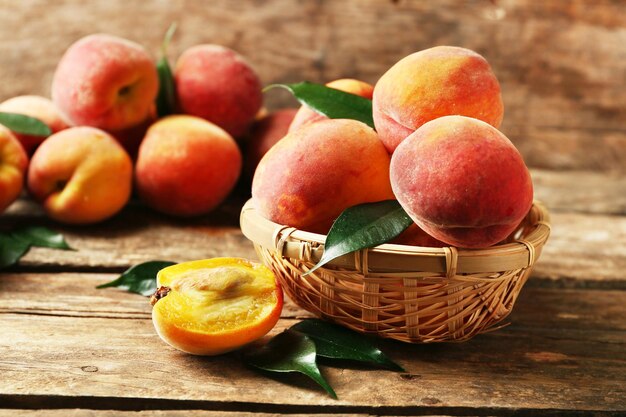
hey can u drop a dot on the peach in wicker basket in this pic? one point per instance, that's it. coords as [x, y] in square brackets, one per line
[409, 293]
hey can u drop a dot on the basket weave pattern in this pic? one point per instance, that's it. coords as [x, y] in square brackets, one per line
[398, 297]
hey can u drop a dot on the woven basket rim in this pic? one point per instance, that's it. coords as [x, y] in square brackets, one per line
[394, 258]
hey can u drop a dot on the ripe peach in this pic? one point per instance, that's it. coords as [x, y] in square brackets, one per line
[462, 181]
[131, 138]
[307, 115]
[215, 305]
[217, 84]
[265, 133]
[13, 164]
[415, 236]
[435, 82]
[106, 82]
[186, 166]
[314, 173]
[81, 175]
[38, 107]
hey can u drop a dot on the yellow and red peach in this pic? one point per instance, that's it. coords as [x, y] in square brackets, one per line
[462, 181]
[432, 83]
[13, 164]
[186, 166]
[81, 175]
[38, 107]
[106, 82]
[314, 173]
[307, 115]
[415, 236]
[217, 84]
[265, 132]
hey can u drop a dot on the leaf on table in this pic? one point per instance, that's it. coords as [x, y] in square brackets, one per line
[337, 342]
[139, 279]
[41, 237]
[166, 97]
[363, 226]
[11, 250]
[289, 351]
[27, 125]
[330, 102]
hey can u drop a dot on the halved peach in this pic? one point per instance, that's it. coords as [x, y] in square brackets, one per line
[213, 306]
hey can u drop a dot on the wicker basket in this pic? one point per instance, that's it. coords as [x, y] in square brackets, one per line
[409, 293]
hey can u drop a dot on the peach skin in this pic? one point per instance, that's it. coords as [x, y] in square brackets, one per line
[186, 166]
[462, 181]
[38, 107]
[106, 82]
[436, 82]
[265, 132]
[81, 175]
[13, 164]
[218, 85]
[314, 173]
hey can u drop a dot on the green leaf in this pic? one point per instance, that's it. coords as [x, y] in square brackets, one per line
[337, 342]
[289, 351]
[363, 226]
[42, 237]
[166, 98]
[27, 125]
[11, 250]
[332, 103]
[140, 279]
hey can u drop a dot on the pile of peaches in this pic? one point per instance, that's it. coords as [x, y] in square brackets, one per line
[107, 138]
[436, 150]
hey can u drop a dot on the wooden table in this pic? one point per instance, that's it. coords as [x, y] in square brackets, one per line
[68, 349]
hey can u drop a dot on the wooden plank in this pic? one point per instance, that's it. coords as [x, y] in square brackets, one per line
[587, 250]
[565, 350]
[580, 191]
[579, 69]
[75, 295]
[150, 413]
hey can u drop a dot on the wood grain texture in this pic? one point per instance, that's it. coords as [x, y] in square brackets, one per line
[563, 356]
[150, 413]
[587, 246]
[76, 295]
[561, 64]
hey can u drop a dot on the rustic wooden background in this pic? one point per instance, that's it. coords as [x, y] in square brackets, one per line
[561, 63]
[66, 348]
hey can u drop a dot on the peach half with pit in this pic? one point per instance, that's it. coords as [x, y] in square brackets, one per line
[213, 306]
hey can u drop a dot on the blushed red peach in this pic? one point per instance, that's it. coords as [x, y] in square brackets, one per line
[186, 166]
[307, 115]
[217, 84]
[81, 175]
[265, 132]
[314, 173]
[462, 181]
[415, 236]
[436, 82]
[13, 164]
[106, 82]
[38, 107]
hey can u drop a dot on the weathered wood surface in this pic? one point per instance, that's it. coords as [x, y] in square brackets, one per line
[151, 413]
[562, 64]
[587, 246]
[565, 350]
